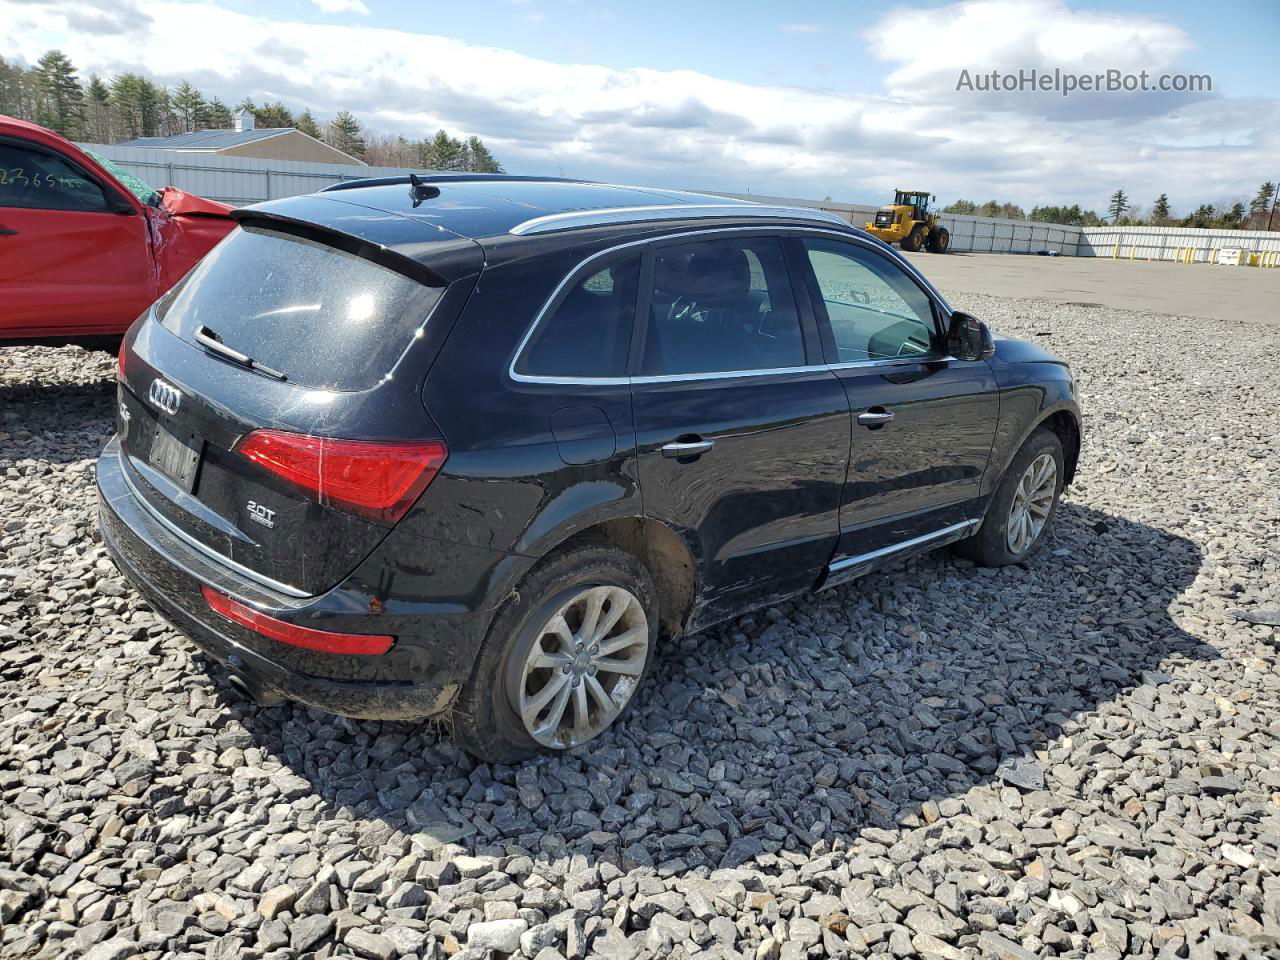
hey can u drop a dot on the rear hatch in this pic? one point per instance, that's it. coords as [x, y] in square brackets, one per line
[270, 404]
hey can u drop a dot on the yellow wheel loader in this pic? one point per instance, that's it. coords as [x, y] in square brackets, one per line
[908, 222]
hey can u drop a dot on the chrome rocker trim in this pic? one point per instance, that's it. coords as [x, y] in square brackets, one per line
[850, 568]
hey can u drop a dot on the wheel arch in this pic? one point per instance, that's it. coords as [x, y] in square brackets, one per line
[1066, 425]
[661, 549]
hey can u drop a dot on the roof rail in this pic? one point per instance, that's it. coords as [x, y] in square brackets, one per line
[438, 177]
[682, 211]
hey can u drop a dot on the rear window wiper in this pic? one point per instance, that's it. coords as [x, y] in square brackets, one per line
[211, 341]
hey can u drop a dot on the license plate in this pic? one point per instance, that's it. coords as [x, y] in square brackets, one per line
[176, 457]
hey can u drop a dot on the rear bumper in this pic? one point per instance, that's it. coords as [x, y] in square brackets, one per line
[169, 573]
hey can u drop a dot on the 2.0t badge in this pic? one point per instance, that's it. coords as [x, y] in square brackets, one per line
[261, 514]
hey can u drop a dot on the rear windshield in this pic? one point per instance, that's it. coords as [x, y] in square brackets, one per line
[325, 318]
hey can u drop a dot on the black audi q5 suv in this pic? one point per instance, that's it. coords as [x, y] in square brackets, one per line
[468, 446]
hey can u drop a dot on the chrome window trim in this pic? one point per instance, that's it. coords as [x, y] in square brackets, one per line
[607, 216]
[208, 551]
[769, 229]
[726, 374]
[889, 362]
[847, 235]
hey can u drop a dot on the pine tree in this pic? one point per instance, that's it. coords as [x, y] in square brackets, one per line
[1203, 217]
[1118, 205]
[189, 105]
[344, 134]
[62, 100]
[479, 159]
[273, 115]
[141, 105]
[217, 115]
[306, 123]
[442, 152]
[1160, 210]
[11, 83]
[1262, 202]
[99, 119]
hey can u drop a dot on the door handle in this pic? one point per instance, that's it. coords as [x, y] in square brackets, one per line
[687, 448]
[6, 232]
[875, 417]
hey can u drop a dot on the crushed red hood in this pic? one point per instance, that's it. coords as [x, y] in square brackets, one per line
[184, 230]
[179, 203]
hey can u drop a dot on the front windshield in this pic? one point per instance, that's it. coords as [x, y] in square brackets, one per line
[135, 185]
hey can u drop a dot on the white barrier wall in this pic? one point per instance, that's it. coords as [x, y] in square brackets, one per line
[1161, 243]
[241, 180]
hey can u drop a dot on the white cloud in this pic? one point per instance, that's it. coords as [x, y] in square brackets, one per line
[685, 128]
[341, 6]
[933, 45]
[803, 28]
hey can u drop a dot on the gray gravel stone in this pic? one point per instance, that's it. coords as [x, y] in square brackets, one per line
[1078, 757]
[501, 935]
[370, 945]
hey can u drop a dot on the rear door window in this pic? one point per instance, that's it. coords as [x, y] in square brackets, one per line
[721, 306]
[588, 333]
[325, 318]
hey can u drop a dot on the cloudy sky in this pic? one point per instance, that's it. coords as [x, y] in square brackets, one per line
[800, 99]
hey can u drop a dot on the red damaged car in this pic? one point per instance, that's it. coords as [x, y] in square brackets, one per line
[85, 246]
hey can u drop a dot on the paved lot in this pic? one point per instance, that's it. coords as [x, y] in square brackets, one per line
[1249, 294]
[1076, 759]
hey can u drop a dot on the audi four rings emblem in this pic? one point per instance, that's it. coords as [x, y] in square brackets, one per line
[165, 396]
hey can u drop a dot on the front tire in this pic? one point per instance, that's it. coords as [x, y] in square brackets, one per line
[563, 658]
[1020, 516]
[913, 240]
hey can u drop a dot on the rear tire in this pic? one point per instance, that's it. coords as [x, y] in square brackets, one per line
[1028, 491]
[939, 240]
[528, 654]
[913, 240]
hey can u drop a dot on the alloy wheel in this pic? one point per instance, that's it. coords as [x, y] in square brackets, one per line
[583, 666]
[1032, 504]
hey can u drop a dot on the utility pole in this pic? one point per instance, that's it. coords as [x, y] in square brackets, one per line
[1274, 197]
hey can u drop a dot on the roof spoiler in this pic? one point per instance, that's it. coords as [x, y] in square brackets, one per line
[437, 176]
[373, 252]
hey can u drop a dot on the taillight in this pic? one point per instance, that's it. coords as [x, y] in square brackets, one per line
[120, 363]
[324, 641]
[379, 481]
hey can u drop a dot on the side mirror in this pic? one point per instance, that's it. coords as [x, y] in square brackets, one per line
[968, 338]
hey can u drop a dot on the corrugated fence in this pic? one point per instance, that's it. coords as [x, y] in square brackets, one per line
[235, 180]
[1167, 243]
[241, 180]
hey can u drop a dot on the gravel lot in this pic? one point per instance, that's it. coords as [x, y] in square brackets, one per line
[1076, 759]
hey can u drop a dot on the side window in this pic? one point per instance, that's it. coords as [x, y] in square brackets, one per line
[721, 305]
[36, 180]
[588, 334]
[877, 312]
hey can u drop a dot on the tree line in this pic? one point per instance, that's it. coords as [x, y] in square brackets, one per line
[1253, 215]
[128, 105]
